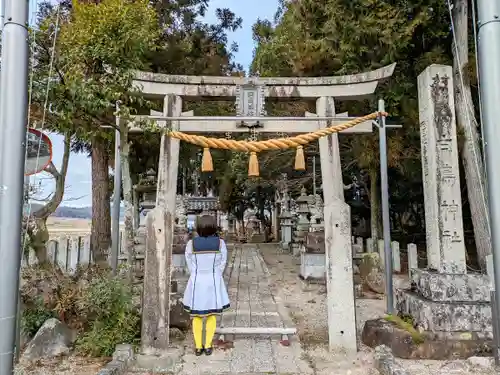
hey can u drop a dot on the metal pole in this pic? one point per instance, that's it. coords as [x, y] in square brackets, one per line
[115, 215]
[489, 75]
[2, 14]
[17, 345]
[13, 117]
[384, 187]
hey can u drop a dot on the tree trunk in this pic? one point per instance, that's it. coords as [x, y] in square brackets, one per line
[127, 199]
[374, 206]
[39, 236]
[100, 239]
[471, 152]
[37, 229]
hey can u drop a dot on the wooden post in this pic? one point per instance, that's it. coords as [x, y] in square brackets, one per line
[159, 240]
[338, 243]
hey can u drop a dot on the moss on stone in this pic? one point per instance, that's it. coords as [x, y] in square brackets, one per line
[416, 336]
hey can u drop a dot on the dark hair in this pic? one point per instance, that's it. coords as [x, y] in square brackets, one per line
[206, 226]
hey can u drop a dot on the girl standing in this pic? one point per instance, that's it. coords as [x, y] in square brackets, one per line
[206, 294]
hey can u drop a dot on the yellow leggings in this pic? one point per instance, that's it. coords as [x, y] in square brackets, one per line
[211, 323]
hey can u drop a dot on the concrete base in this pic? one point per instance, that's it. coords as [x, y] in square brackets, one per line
[312, 266]
[445, 317]
[168, 362]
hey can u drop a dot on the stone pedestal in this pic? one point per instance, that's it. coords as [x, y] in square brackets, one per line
[450, 306]
[312, 259]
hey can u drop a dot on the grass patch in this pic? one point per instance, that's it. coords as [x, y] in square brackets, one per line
[406, 323]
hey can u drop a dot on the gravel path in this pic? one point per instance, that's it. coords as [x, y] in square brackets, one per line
[306, 303]
[71, 365]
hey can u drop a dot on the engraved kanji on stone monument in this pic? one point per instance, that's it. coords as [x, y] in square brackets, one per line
[443, 202]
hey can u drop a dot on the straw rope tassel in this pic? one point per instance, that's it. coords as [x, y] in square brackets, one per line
[300, 161]
[253, 165]
[207, 164]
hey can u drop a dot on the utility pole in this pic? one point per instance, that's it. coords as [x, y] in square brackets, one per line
[13, 117]
[489, 79]
[386, 223]
[2, 13]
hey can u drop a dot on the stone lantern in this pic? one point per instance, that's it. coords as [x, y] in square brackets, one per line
[145, 194]
[231, 230]
[286, 223]
[303, 223]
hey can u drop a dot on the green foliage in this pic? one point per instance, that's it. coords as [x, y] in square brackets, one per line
[99, 306]
[97, 48]
[33, 317]
[112, 317]
[110, 37]
[338, 37]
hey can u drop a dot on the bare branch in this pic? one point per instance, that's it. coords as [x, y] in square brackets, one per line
[60, 178]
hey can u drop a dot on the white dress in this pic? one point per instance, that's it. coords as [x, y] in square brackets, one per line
[206, 293]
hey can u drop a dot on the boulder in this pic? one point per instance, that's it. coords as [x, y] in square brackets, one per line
[408, 345]
[52, 340]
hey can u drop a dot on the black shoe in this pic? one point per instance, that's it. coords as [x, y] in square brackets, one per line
[198, 352]
[208, 351]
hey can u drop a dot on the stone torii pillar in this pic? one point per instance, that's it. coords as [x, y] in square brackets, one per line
[159, 240]
[338, 244]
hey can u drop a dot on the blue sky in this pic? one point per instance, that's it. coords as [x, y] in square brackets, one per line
[78, 182]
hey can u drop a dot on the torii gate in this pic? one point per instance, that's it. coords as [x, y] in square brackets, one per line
[250, 94]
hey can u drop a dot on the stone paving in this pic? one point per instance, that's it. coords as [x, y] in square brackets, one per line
[253, 305]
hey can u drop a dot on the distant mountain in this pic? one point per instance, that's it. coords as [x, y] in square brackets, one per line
[71, 212]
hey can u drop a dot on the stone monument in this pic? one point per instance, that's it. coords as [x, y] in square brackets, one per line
[445, 300]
